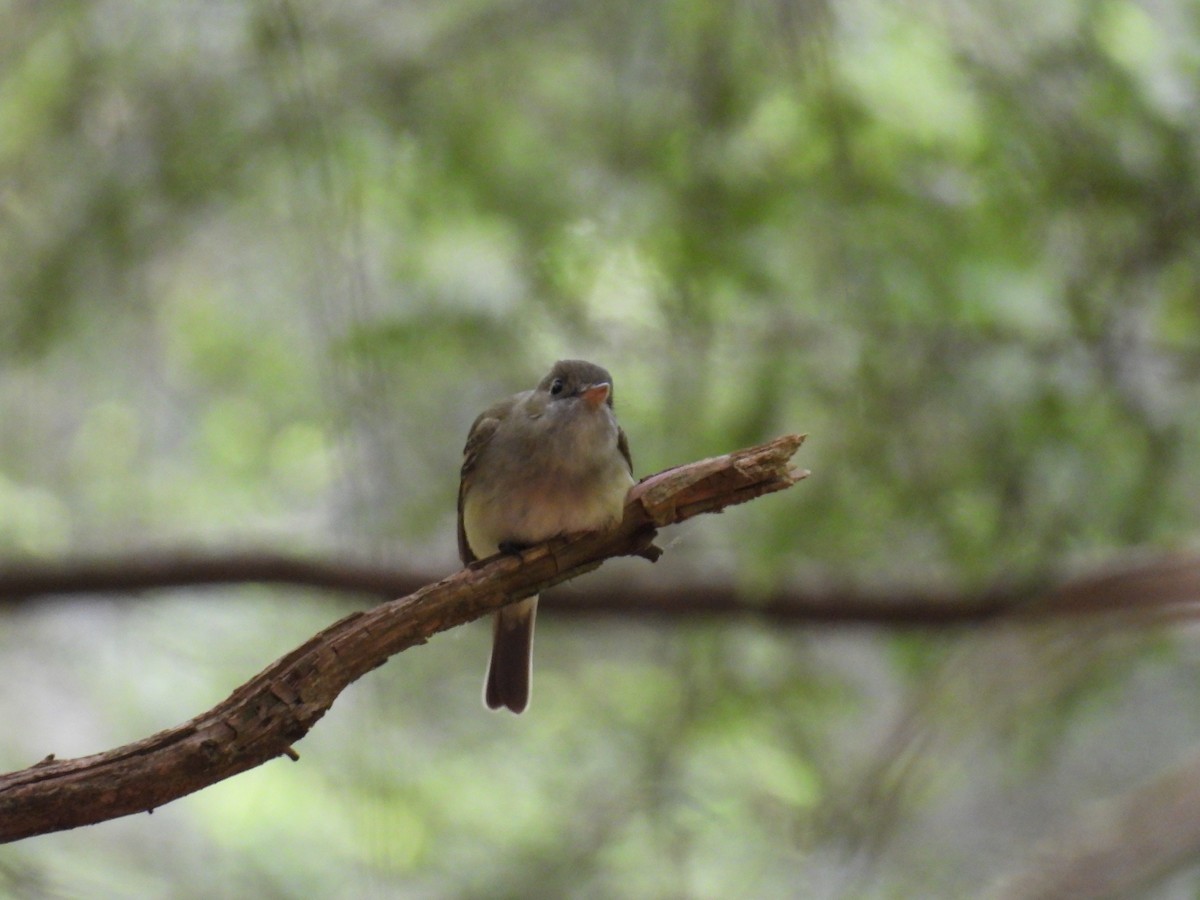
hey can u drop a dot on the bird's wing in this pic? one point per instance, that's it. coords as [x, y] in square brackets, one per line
[477, 439]
[623, 446]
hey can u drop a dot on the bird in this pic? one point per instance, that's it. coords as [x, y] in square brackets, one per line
[542, 463]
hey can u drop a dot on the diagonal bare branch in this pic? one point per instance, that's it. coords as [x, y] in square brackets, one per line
[265, 716]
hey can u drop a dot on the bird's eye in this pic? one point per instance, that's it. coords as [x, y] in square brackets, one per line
[557, 386]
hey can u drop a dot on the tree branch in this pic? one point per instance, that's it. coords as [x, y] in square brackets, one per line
[265, 716]
[1167, 585]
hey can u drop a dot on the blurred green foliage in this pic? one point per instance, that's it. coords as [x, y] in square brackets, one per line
[261, 263]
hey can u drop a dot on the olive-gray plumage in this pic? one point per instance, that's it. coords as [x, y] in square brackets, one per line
[539, 464]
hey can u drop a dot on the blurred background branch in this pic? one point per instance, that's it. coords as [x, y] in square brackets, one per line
[1146, 590]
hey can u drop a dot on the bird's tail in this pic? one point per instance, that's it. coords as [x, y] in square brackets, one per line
[510, 667]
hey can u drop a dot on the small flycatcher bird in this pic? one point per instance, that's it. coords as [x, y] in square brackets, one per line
[539, 464]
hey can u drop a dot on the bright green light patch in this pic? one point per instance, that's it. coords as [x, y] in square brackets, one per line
[34, 521]
[276, 805]
[909, 78]
[234, 433]
[1127, 34]
[759, 761]
[782, 774]
[33, 91]
[300, 457]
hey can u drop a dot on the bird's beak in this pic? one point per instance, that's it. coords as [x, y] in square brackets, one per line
[595, 395]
